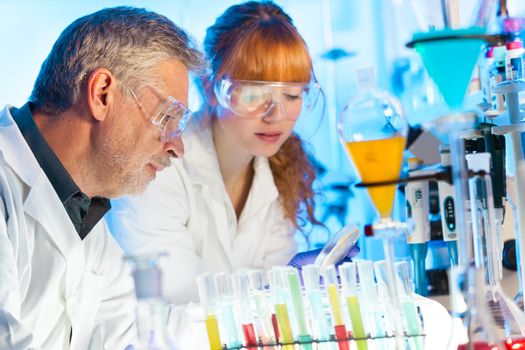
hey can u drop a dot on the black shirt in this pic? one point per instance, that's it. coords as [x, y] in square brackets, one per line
[84, 212]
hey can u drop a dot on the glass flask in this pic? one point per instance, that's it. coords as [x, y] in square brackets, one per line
[490, 318]
[373, 130]
[152, 311]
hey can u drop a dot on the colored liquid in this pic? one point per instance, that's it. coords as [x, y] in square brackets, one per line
[450, 64]
[213, 333]
[264, 316]
[283, 320]
[249, 334]
[354, 311]
[341, 336]
[275, 328]
[376, 161]
[510, 344]
[413, 325]
[319, 317]
[333, 296]
[230, 325]
[297, 302]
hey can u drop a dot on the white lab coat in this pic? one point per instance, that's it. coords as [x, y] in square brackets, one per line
[187, 213]
[50, 280]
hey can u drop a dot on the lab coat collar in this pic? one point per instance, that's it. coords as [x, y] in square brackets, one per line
[15, 150]
[201, 162]
[42, 202]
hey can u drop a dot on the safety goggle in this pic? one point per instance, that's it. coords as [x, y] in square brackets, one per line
[171, 118]
[259, 99]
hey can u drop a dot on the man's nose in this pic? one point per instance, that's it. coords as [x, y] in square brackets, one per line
[175, 146]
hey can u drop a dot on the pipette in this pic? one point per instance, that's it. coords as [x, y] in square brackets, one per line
[208, 297]
[348, 273]
[418, 209]
[447, 208]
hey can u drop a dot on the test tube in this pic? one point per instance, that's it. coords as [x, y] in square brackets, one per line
[368, 294]
[330, 279]
[313, 292]
[261, 303]
[348, 273]
[412, 320]
[298, 306]
[275, 325]
[285, 335]
[392, 326]
[229, 324]
[208, 299]
[241, 286]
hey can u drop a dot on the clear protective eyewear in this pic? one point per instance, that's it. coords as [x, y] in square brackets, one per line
[257, 99]
[171, 118]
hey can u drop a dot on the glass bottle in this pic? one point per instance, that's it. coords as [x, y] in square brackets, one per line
[152, 311]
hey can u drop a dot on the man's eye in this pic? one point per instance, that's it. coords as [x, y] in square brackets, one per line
[162, 122]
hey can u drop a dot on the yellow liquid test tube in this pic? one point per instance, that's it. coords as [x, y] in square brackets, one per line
[337, 316]
[213, 333]
[333, 296]
[285, 330]
[354, 310]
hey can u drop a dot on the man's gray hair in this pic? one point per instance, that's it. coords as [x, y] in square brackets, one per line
[127, 41]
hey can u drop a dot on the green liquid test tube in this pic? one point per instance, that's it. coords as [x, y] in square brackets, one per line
[348, 275]
[298, 305]
[413, 324]
[354, 310]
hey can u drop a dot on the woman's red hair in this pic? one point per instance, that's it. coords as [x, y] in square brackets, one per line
[258, 41]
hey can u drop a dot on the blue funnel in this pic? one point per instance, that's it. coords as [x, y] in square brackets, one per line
[449, 56]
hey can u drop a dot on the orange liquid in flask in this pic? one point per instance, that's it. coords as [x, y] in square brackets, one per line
[376, 161]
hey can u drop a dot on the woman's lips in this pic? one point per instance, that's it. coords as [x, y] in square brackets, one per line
[268, 137]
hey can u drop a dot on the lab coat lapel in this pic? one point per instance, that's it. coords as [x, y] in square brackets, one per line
[203, 168]
[263, 190]
[42, 202]
[217, 205]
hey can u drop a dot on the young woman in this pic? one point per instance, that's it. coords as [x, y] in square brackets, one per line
[245, 183]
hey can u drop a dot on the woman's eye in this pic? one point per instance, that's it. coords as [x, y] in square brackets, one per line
[291, 97]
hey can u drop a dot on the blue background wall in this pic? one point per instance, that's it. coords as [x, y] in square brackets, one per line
[374, 31]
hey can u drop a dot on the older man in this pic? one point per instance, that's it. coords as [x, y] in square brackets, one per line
[105, 115]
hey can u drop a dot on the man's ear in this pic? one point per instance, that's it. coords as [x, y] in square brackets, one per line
[209, 94]
[101, 85]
